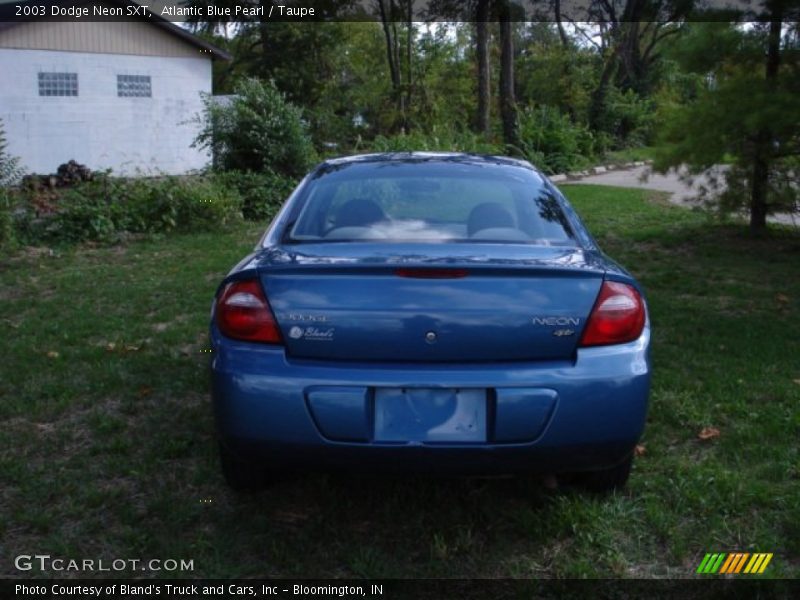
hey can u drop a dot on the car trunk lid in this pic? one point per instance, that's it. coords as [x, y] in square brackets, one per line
[438, 303]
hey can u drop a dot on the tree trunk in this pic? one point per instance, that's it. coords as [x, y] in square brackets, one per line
[630, 76]
[627, 39]
[561, 33]
[409, 48]
[762, 156]
[597, 107]
[390, 34]
[508, 104]
[567, 71]
[758, 191]
[398, 86]
[263, 33]
[482, 51]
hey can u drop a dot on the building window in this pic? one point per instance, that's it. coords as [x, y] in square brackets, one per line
[133, 86]
[58, 84]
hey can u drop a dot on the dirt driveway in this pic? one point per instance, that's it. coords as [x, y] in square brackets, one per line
[682, 192]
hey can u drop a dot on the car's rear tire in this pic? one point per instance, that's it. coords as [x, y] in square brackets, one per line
[242, 475]
[607, 480]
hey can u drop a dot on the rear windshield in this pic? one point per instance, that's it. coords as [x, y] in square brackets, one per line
[397, 201]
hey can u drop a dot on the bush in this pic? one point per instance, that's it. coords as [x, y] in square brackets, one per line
[7, 235]
[552, 142]
[258, 130]
[262, 193]
[206, 205]
[628, 118]
[81, 216]
[106, 209]
[10, 171]
[172, 203]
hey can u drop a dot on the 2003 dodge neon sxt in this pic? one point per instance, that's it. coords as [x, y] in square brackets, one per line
[429, 312]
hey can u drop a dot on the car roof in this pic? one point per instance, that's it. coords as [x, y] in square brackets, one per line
[454, 157]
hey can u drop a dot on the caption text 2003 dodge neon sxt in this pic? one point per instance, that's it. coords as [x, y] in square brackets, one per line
[429, 312]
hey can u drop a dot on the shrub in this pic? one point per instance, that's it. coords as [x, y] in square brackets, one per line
[7, 235]
[257, 130]
[10, 171]
[106, 209]
[172, 203]
[262, 193]
[206, 205]
[81, 217]
[628, 118]
[551, 141]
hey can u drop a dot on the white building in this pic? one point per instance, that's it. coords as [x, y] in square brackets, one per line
[113, 94]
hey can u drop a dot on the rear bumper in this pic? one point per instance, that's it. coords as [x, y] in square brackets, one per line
[540, 417]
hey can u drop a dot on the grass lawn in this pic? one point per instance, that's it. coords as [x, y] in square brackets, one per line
[106, 436]
[630, 155]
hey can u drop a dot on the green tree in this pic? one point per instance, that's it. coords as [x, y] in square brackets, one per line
[482, 12]
[631, 34]
[444, 96]
[300, 57]
[356, 101]
[747, 111]
[555, 73]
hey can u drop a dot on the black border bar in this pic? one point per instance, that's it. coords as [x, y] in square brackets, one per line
[488, 589]
[396, 10]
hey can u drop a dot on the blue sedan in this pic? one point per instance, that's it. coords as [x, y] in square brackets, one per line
[429, 312]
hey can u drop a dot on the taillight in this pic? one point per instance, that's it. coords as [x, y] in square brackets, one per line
[617, 316]
[431, 273]
[243, 313]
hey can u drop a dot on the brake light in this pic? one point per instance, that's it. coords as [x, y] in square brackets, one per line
[431, 273]
[243, 313]
[617, 316]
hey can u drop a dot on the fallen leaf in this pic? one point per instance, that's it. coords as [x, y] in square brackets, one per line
[131, 348]
[782, 298]
[797, 381]
[52, 354]
[145, 391]
[708, 433]
[639, 450]
[111, 346]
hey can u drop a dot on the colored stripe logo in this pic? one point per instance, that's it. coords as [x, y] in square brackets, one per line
[734, 563]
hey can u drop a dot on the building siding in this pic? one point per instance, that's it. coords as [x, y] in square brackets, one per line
[98, 128]
[113, 37]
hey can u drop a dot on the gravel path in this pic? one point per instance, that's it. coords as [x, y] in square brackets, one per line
[682, 193]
